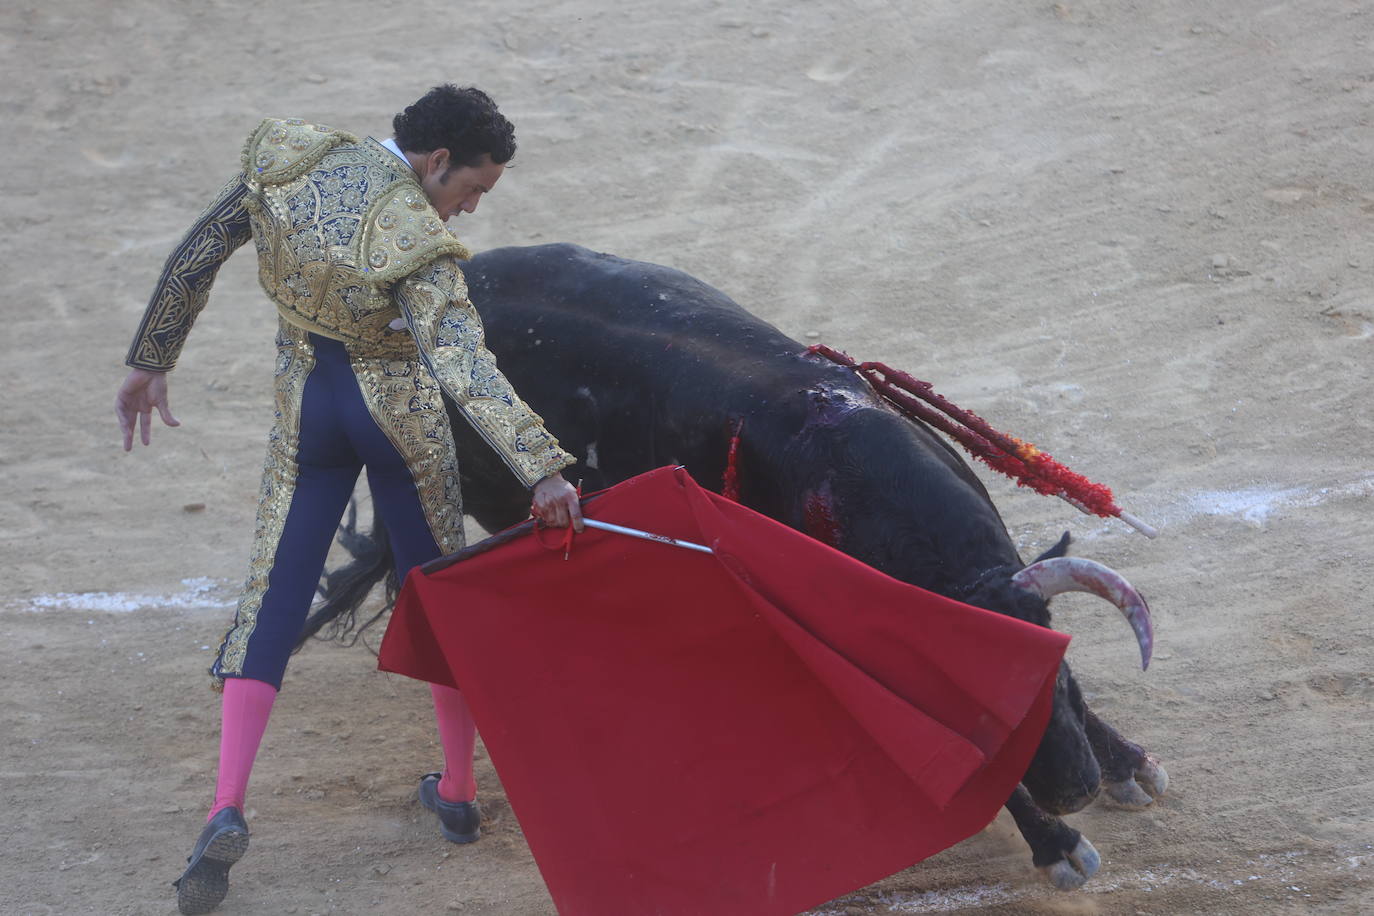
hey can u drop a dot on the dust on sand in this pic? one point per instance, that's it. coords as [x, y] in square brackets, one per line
[1135, 234]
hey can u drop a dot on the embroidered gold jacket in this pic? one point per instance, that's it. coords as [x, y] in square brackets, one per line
[347, 244]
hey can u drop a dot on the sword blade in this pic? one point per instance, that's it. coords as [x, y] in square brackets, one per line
[645, 535]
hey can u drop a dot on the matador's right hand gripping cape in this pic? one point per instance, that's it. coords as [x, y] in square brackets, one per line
[349, 247]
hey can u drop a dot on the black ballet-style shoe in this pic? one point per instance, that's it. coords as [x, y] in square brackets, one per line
[460, 822]
[206, 879]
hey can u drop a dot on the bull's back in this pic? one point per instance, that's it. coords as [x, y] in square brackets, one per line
[635, 365]
[587, 305]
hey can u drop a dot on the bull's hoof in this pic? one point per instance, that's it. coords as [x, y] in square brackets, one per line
[1152, 776]
[1068, 874]
[1148, 783]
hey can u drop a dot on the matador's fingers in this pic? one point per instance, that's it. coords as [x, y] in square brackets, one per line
[126, 425]
[575, 513]
[164, 411]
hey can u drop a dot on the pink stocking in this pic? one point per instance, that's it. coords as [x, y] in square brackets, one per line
[458, 737]
[243, 719]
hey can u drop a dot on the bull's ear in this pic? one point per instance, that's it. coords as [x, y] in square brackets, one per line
[1058, 550]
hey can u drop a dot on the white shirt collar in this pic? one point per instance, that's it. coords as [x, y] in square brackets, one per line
[390, 143]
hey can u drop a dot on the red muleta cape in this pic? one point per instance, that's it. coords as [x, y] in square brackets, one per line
[747, 733]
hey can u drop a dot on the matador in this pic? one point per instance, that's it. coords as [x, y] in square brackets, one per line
[374, 329]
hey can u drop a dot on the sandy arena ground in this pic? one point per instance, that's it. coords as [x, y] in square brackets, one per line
[1133, 233]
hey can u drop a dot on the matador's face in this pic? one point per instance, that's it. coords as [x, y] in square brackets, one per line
[458, 188]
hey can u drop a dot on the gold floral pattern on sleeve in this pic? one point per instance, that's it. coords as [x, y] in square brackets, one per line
[452, 344]
[184, 286]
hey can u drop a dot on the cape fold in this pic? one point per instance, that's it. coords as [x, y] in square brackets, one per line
[752, 732]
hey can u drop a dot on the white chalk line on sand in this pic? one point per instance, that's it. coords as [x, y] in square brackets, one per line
[1282, 869]
[1250, 504]
[200, 592]
[1254, 505]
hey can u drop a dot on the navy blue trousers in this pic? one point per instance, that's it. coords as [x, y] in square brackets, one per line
[338, 438]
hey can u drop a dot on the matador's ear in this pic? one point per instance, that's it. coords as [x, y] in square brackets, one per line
[437, 162]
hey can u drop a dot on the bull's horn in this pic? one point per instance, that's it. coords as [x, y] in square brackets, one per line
[1048, 578]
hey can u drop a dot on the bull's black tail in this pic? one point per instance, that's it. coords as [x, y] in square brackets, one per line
[345, 589]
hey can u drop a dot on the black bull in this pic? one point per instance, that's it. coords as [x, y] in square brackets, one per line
[634, 366]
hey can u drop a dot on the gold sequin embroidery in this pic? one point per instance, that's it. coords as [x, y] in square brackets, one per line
[453, 346]
[336, 221]
[184, 287]
[407, 404]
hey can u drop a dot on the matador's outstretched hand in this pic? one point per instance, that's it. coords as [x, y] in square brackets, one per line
[142, 390]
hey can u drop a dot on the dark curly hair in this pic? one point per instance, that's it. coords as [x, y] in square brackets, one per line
[463, 121]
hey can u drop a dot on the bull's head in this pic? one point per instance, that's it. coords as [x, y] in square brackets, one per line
[892, 494]
[1064, 775]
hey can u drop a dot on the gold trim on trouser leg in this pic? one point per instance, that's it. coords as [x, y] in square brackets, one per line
[407, 404]
[295, 359]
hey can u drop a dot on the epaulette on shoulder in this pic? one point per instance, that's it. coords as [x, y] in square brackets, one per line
[402, 232]
[280, 150]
